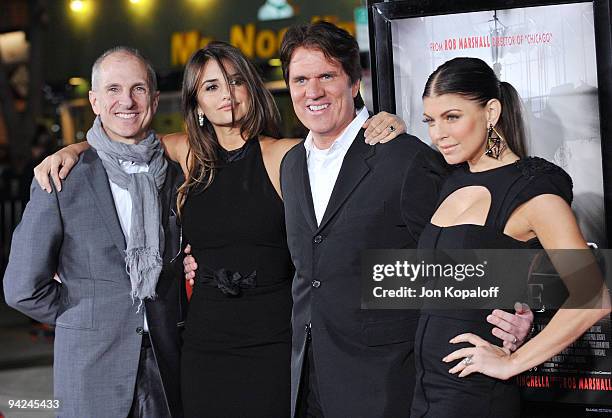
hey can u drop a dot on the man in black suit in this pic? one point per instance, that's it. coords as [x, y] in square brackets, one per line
[343, 196]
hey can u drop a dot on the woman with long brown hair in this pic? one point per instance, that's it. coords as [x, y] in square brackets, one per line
[237, 342]
[237, 334]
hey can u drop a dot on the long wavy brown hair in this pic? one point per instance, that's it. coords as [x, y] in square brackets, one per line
[262, 116]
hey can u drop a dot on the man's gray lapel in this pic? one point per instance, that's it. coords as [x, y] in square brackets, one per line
[101, 193]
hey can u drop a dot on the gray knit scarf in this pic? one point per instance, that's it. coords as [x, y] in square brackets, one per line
[146, 241]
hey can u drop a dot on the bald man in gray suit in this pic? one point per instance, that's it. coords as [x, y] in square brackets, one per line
[117, 310]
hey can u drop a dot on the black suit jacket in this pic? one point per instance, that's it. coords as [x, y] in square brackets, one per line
[383, 197]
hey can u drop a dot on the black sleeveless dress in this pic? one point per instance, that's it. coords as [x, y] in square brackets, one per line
[439, 394]
[237, 340]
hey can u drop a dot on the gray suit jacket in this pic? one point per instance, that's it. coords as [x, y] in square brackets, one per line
[77, 234]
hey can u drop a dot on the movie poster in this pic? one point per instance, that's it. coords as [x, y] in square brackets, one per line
[548, 54]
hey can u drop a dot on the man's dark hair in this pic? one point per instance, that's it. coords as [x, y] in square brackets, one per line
[335, 43]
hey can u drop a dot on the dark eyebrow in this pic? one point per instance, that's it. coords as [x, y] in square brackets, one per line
[444, 113]
[451, 110]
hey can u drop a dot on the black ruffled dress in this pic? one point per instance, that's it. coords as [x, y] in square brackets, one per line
[237, 339]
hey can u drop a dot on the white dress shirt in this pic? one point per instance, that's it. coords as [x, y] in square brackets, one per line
[324, 164]
[123, 205]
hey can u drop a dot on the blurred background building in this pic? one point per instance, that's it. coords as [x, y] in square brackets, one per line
[47, 48]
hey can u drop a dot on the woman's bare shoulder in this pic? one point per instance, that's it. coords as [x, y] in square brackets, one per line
[278, 147]
[175, 138]
[176, 145]
[273, 151]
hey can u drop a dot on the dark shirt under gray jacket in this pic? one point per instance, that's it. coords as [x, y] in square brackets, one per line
[77, 234]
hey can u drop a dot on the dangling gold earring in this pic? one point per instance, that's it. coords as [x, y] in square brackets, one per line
[496, 144]
[200, 119]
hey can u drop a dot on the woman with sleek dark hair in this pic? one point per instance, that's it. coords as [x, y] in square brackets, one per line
[497, 198]
[237, 338]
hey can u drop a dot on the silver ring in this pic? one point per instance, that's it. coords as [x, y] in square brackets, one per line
[391, 128]
[515, 340]
[468, 360]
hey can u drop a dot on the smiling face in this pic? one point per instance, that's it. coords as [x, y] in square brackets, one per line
[215, 95]
[322, 94]
[123, 99]
[458, 125]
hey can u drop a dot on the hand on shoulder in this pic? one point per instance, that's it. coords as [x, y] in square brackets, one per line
[58, 165]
